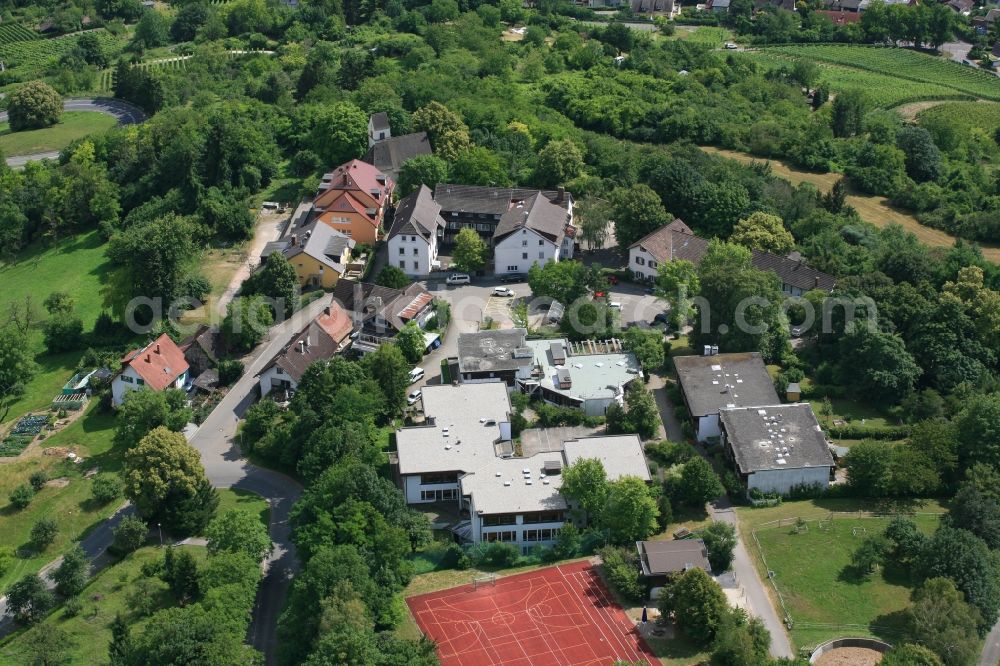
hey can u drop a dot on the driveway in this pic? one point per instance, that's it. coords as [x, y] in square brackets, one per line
[124, 112]
[268, 228]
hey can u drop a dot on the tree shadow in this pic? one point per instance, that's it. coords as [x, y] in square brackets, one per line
[889, 627]
[854, 575]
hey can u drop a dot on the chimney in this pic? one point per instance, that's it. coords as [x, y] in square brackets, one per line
[816, 281]
[149, 359]
[561, 195]
[302, 346]
[295, 240]
[326, 311]
[157, 347]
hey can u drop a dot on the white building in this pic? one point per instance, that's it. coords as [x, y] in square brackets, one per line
[465, 455]
[713, 382]
[533, 231]
[777, 448]
[158, 366]
[669, 242]
[416, 231]
[378, 128]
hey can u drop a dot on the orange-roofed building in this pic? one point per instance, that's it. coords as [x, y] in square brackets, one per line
[157, 366]
[353, 199]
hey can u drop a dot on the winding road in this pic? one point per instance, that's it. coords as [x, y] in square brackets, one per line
[124, 112]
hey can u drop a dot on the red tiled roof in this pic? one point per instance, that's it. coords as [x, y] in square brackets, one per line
[337, 324]
[414, 307]
[355, 176]
[159, 363]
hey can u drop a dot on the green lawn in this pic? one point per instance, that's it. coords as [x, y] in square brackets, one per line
[89, 633]
[76, 266]
[243, 500]
[68, 503]
[72, 126]
[825, 590]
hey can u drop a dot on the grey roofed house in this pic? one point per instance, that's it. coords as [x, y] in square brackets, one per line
[778, 437]
[377, 308]
[660, 558]
[493, 351]
[621, 455]
[417, 215]
[712, 383]
[380, 121]
[478, 199]
[792, 271]
[314, 238]
[536, 213]
[389, 155]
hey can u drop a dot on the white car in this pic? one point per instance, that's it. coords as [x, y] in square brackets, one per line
[458, 278]
[730, 46]
[503, 291]
[416, 375]
[413, 397]
[615, 305]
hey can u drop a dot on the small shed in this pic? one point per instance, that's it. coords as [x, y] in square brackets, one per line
[794, 392]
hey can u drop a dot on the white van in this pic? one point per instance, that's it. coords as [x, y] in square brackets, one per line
[458, 278]
[416, 375]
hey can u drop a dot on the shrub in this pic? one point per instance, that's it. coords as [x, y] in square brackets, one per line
[130, 535]
[621, 569]
[38, 479]
[669, 453]
[34, 105]
[21, 496]
[106, 488]
[43, 533]
[494, 554]
[72, 607]
[229, 371]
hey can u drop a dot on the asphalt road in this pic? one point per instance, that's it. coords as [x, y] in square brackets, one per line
[991, 649]
[124, 112]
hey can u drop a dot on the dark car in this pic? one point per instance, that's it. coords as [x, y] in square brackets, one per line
[513, 277]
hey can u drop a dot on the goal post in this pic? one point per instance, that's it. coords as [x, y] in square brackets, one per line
[484, 580]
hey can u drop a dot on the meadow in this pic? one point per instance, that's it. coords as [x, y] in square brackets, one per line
[825, 596]
[72, 125]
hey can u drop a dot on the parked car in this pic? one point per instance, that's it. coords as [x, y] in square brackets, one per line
[416, 375]
[458, 278]
[503, 291]
[513, 277]
[612, 279]
[615, 305]
[660, 319]
[730, 46]
[413, 397]
[797, 331]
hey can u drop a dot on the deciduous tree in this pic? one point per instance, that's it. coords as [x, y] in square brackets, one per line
[29, 600]
[239, 532]
[638, 211]
[763, 231]
[33, 105]
[469, 254]
[720, 542]
[697, 604]
[448, 134]
[942, 621]
[72, 574]
[426, 170]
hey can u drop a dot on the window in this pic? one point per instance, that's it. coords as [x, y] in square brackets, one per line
[499, 519]
[652, 264]
[524, 255]
[413, 238]
[278, 370]
[543, 517]
[402, 250]
[540, 535]
[541, 255]
[416, 265]
[439, 495]
[511, 269]
[524, 243]
[640, 261]
[402, 263]
[454, 214]
[127, 379]
[541, 242]
[416, 252]
[438, 477]
[140, 382]
[505, 537]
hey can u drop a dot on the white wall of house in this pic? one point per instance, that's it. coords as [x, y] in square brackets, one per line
[129, 380]
[412, 254]
[523, 535]
[783, 480]
[418, 492]
[376, 137]
[521, 250]
[642, 263]
[708, 426]
[566, 251]
[275, 377]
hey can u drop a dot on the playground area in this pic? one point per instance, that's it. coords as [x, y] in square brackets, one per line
[557, 616]
[809, 564]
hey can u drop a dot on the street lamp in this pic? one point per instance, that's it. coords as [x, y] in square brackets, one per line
[158, 529]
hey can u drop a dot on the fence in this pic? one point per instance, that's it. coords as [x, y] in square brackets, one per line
[819, 520]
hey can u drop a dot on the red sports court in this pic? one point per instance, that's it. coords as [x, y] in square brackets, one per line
[558, 616]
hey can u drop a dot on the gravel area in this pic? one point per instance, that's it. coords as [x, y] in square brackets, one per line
[850, 657]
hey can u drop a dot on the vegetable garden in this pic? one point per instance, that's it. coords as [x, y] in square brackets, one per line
[902, 64]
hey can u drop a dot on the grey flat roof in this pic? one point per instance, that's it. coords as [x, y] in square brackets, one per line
[775, 437]
[492, 351]
[594, 376]
[459, 440]
[664, 557]
[621, 455]
[501, 486]
[711, 383]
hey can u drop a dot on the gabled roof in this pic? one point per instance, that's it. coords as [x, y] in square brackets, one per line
[159, 363]
[207, 339]
[320, 339]
[395, 307]
[659, 558]
[359, 178]
[390, 154]
[536, 213]
[478, 199]
[379, 121]
[314, 239]
[417, 215]
[793, 271]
